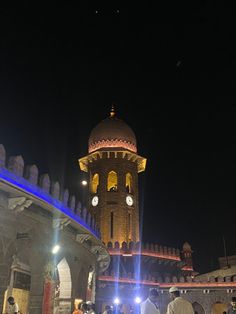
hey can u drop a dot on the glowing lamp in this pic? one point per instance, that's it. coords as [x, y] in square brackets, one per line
[137, 300]
[84, 182]
[55, 249]
[116, 301]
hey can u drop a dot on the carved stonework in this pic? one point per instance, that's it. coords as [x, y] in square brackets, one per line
[65, 197]
[16, 165]
[78, 209]
[55, 190]
[60, 223]
[45, 182]
[82, 237]
[2, 156]
[112, 143]
[32, 174]
[49, 271]
[72, 202]
[18, 204]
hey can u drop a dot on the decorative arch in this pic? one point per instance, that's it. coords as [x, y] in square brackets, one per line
[198, 308]
[64, 279]
[95, 183]
[112, 181]
[63, 288]
[128, 183]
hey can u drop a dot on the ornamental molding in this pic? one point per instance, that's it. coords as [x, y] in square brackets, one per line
[60, 223]
[82, 237]
[112, 144]
[18, 204]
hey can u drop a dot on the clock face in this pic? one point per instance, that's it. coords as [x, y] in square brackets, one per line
[95, 200]
[129, 200]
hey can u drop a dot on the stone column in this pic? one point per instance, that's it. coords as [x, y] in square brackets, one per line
[3, 287]
[39, 256]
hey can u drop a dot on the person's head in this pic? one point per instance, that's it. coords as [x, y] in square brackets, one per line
[11, 300]
[153, 295]
[233, 302]
[84, 307]
[174, 292]
[89, 305]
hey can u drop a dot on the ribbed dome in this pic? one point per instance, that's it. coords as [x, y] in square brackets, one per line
[112, 133]
[187, 247]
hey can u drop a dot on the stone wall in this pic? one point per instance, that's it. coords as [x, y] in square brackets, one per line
[202, 299]
[32, 211]
[30, 174]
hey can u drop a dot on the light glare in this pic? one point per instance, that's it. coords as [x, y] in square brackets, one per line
[137, 300]
[55, 249]
[116, 301]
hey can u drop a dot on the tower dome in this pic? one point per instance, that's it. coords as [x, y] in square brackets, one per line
[112, 133]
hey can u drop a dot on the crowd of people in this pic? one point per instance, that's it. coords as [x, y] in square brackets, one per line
[177, 305]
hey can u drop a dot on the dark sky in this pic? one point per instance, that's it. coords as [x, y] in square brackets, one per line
[168, 68]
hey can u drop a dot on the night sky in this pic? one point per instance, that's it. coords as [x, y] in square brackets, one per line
[168, 69]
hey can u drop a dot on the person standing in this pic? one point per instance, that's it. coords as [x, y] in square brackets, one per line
[13, 307]
[178, 305]
[107, 308]
[150, 305]
[232, 309]
[91, 307]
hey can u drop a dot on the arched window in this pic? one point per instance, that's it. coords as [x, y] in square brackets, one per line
[65, 279]
[198, 309]
[95, 183]
[128, 183]
[112, 181]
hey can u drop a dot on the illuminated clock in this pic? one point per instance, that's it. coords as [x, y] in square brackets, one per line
[95, 200]
[129, 200]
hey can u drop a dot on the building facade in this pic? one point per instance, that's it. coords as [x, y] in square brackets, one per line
[113, 165]
[50, 248]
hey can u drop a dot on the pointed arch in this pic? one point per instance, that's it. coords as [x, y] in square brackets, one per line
[129, 183]
[198, 308]
[112, 181]
[64, 279]
[95, 183]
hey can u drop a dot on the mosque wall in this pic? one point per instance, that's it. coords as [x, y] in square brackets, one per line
[35, 215]
[208, 301]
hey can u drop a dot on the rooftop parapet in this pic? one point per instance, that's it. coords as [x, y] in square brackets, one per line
[189, 282]
[135, 248]
[26, 178]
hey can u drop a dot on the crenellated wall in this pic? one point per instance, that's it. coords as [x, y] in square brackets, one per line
[143, 248]
[185, 281]
[35, 215]
[42, 184]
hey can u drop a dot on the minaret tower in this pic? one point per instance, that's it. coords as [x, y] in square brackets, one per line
[113, 166]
